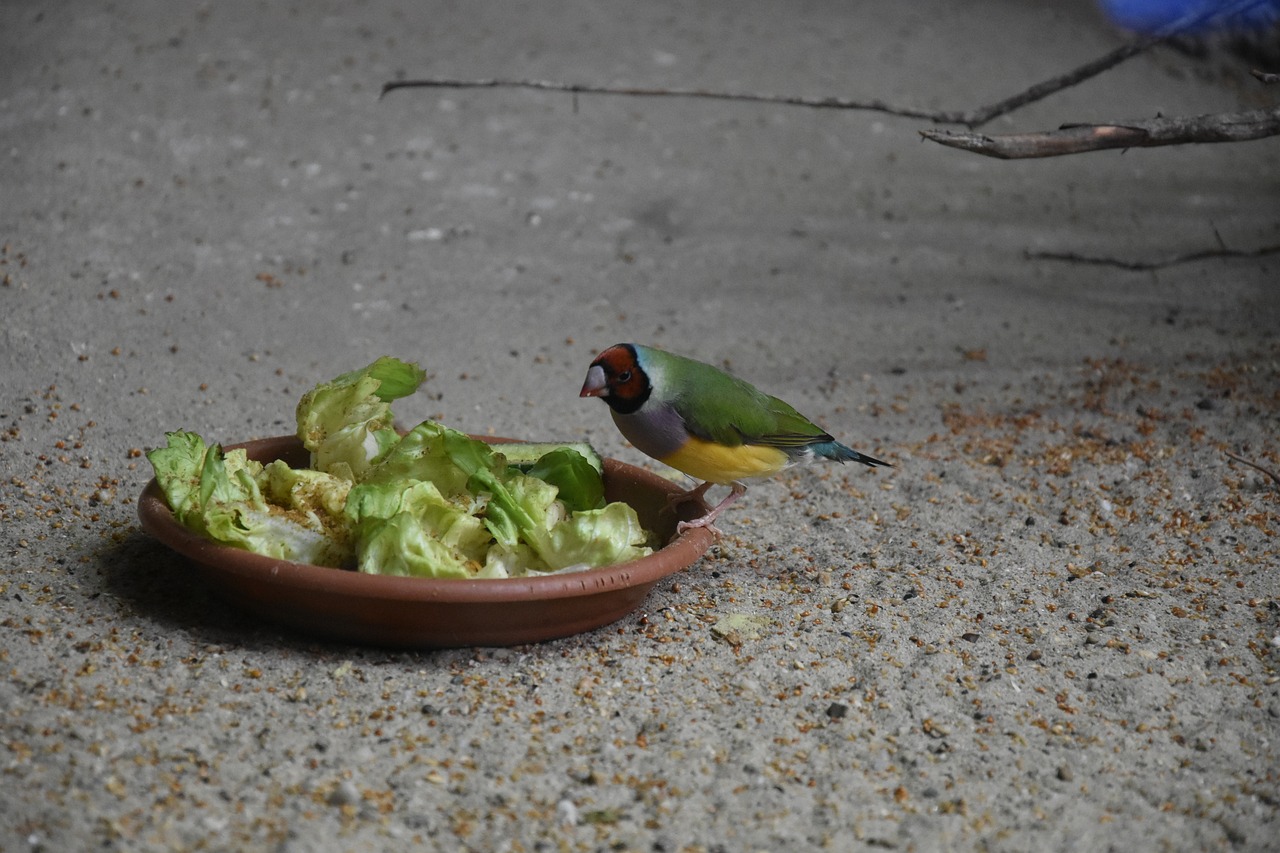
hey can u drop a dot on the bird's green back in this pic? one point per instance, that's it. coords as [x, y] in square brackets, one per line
[722, 408]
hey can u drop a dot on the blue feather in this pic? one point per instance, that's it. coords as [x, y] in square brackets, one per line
[837, 452]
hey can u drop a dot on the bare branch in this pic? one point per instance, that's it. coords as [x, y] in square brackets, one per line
[1272, 474]
[1041, 90]
[1265, 76]
[1144, 266]
[970, 118]
[1147, 133]
[641, 91]
[1045, 88]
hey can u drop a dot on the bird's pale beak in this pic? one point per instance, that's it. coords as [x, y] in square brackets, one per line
[596, 384]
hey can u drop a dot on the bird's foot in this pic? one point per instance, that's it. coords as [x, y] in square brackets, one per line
[704, 523]
[707, 521]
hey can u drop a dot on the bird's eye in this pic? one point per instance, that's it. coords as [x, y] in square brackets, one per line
[624, 376]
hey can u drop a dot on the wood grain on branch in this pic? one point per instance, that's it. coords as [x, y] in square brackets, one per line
[1146, 133]
[824, 102]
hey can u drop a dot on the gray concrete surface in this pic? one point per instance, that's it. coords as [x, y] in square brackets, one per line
[1052, 626]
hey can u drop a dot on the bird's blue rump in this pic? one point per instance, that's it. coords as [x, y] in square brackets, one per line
[836, 451]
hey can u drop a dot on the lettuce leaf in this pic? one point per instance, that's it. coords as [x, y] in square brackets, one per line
[525, 510]
[304, 489]
[532, 530]
[435, 503]
[413, 513]
[414, 530]
[347, 423]
[219, 496]
[436, 453]
[578, 483]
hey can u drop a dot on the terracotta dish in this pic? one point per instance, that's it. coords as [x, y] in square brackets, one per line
[423, 612]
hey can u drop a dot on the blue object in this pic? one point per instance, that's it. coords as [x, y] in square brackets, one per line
[1149, 16]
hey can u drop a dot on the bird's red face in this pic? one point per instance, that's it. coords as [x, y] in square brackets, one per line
[617, 378]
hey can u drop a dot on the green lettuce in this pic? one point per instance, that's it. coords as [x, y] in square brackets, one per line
[527, 510]
[431, 451]
[578, 483]
[531, 529]
[433, 503]
[347, 423]
[220, 496]
[304, 489]
[523, 510]
[412, 529]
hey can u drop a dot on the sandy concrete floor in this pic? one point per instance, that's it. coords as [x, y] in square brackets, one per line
[1053, 625]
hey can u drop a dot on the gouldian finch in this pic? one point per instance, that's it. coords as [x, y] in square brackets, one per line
[700, 420]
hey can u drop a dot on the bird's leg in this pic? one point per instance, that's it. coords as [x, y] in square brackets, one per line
[695, 494]
[708, 520]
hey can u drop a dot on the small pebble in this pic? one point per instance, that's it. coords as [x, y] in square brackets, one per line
[345, 794]
[567, 813]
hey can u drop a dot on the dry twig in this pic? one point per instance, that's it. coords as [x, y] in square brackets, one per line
[982, 115]
[1254, 465]
[1145, 133]
[1145, 266]
[646, 92]
[969, 118]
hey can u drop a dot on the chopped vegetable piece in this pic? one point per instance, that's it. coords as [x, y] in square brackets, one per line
[433, 503]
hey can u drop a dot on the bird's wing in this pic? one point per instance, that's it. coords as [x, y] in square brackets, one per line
[736, 413]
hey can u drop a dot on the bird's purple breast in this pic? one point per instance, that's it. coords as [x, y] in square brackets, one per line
[656, 431]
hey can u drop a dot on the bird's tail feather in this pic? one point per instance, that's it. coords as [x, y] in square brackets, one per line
[838, 452]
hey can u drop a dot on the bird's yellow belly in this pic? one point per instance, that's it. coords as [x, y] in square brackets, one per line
[715, 463]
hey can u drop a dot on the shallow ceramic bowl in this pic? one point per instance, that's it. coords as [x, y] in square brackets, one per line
[436, 613]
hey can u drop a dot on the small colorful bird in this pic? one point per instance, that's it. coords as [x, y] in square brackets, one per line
[704, 422]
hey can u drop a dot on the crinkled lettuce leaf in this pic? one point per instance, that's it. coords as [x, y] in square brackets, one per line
[304, 489]
[440, 476]
[524, 510]
[412, 529]
[435, 503]
[195, 476]
[347, 423]
[532, 530]
[597, 537]
[578, 483]
[435, 477]
[219, 496]
[444, 456]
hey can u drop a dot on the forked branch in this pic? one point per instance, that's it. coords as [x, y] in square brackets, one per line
[1146, 133]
